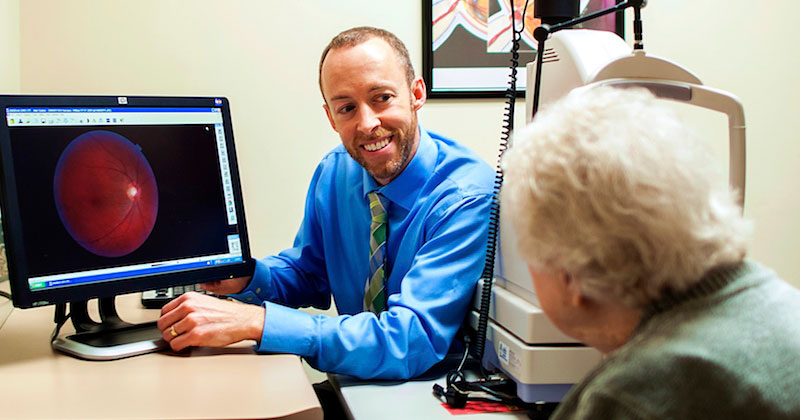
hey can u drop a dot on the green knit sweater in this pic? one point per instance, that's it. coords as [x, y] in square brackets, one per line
[727, 348]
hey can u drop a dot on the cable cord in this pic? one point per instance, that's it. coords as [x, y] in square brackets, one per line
[458, 387]
[61, 317]
[494, 215]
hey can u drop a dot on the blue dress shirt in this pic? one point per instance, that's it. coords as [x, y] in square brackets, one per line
[438, 210]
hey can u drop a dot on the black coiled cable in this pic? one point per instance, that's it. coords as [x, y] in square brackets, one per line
[459, 390]
[494, 215]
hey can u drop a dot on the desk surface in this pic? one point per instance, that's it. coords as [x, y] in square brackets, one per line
[406, 400]
[411, 399]
[232, 382]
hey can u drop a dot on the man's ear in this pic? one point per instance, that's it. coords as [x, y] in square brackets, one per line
[419, 94]
[330, 117]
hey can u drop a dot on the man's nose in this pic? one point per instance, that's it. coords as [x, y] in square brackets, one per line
[368, 120]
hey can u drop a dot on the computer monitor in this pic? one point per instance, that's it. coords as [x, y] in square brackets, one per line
[106, 195]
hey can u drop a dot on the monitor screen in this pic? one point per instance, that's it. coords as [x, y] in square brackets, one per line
[110, 195]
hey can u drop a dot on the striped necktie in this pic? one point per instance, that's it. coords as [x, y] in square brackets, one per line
[375, 292]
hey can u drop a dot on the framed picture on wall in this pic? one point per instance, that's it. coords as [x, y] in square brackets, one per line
[467, 43]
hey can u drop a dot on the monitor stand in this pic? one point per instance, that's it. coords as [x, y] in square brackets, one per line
[109, 339]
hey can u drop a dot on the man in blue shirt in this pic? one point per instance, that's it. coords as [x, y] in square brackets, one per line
[437, 196]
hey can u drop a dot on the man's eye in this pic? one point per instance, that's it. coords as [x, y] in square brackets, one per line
[345, 109]
[384, 98]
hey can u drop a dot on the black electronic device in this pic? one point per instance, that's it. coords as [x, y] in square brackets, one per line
[157, 298]
[552, 12]
[106, 195]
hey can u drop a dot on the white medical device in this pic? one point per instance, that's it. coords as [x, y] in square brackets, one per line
[520, 341]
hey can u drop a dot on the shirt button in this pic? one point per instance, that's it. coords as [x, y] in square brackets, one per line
[258, 290]
[249, 298]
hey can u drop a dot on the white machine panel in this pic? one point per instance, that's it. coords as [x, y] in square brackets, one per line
[521, 318]
[532, 364]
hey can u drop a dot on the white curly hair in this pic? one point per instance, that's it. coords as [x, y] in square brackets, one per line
[609, 186]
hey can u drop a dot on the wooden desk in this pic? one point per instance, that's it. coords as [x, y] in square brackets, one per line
[234, 382]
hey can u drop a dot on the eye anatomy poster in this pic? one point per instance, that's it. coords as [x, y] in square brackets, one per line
[467, 43]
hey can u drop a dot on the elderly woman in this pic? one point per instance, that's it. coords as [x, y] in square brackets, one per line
[637, 248]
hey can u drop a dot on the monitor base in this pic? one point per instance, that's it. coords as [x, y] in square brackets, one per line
[112, 344]
[109, 339]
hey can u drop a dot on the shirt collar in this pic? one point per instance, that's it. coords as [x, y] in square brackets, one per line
[404, 189]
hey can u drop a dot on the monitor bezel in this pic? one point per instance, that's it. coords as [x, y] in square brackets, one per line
[23, 297]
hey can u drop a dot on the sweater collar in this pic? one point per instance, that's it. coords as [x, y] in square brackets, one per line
[713, 281]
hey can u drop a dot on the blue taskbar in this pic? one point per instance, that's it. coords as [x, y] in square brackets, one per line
[234, 255]
[48, 284]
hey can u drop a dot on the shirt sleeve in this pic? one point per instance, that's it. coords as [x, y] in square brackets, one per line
[297, 276]
[416, 330]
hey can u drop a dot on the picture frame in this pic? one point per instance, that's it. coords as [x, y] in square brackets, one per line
[466, 44]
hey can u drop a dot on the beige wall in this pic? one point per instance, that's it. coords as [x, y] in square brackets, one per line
[10, 42]
[742, 47]
[263, 56]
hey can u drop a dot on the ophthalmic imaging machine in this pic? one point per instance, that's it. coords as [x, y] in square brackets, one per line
[521, 345]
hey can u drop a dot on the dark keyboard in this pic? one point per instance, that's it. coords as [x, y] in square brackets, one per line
[155, 299]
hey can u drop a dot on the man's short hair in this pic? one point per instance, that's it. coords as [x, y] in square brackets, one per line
[609, 186]
[361, 34]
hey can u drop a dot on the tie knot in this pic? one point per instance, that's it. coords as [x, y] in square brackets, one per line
[376, 207]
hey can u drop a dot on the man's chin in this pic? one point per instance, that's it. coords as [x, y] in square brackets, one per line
[383, 175]
[386, 173]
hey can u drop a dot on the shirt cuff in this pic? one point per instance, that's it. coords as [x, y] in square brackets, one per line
[288, 330]
[257, 290]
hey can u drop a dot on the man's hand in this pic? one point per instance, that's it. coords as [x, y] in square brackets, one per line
[226, 287]
[194, 319]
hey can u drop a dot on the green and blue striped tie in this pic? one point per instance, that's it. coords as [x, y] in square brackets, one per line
[375, 292]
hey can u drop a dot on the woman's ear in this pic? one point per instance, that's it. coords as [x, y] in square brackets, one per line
[574, 295]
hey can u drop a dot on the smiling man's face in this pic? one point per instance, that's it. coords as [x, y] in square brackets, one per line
[370, 104]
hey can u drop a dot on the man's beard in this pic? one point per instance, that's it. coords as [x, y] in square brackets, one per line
[403, 139]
